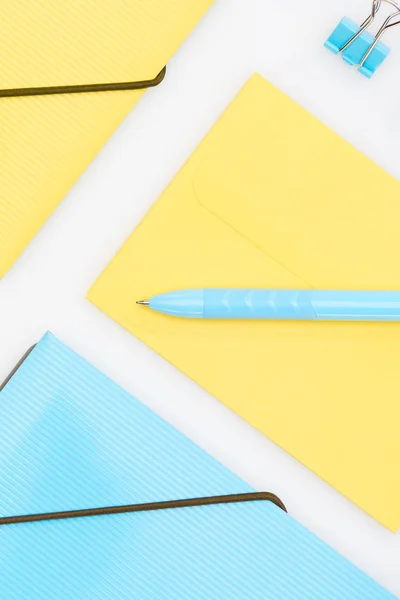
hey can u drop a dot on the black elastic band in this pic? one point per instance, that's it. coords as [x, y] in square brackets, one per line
[133, 508]
[15, 369]
[84, 89]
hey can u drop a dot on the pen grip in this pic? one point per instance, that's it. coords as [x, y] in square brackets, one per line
[258, 304]
[307, 305]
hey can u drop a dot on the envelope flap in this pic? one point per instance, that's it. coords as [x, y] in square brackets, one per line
[325, 392]
[76, 43]
[301, 193]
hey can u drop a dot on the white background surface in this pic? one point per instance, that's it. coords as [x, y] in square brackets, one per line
[46, 288]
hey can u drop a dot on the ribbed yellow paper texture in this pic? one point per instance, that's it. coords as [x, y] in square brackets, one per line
[47, 142]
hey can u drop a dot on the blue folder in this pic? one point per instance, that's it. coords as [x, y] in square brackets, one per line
[71, 439]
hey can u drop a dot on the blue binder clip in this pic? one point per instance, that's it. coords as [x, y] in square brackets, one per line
[357, 46]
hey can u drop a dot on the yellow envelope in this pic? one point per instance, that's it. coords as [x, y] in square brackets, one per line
[273, 198]
[46, 142]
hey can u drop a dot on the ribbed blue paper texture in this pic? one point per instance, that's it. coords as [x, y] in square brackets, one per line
[235, 552]
[72, 439]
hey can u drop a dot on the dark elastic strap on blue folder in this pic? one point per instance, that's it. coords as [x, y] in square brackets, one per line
[134, 508]
[15, 369]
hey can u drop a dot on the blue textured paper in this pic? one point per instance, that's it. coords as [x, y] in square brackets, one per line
[235, 552]
[71, 439]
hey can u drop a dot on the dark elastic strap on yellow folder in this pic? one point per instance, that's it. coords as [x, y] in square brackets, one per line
[117, 510]
[84, 89]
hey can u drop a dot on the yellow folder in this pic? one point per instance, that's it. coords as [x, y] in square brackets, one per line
[46, 142]
[273, 198]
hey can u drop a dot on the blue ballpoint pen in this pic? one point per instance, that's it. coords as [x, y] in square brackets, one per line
[302, 305]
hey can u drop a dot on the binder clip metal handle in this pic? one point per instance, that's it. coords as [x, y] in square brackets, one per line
[357, 46]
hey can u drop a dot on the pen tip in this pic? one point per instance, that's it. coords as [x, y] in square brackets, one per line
[143, 302]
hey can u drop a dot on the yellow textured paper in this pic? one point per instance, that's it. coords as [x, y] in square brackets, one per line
[47, 142]
[273, 198]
